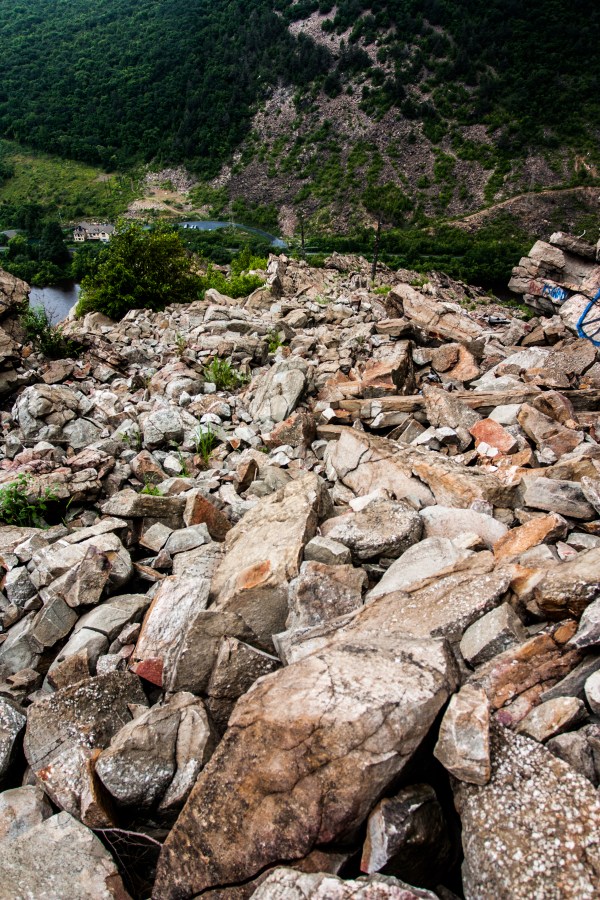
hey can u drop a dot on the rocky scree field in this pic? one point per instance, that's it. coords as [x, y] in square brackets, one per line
[316, 612]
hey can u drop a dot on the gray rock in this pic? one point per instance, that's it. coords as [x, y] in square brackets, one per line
[567, 589]
[141, 761]
[573, 684]
[20, 809]
[291, 884]
[432, 557]
[443, 521]
[588, 633]
[592, 692]
[67, 727]
[383, 528]
[237, 666]
[327, 551]
[18, 586]
[494, 632]
[552, 717]
[59, 858]
[591, 491]
[164, 426]
[563, 497]
[325, 736]
[321, 593]
[575, 749]
[463, 746]
[12, 723]
[188, 539]
[277, 392]
[533, 831]
[263, 552]
[407, 837]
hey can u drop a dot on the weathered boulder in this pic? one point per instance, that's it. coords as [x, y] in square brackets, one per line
[277, 392]
[307, 752]
[383, 528]
[494, 632]
[533, 831]
[145, 755]
[552, 717]
[237, 666]
[320, 593]
[445, 522]
[66, 730]
[567, 589]
[289, 884]
[59, 858]
[263, 553]
[22, 808]
[430, 558]
[366, 463]
[180, 637]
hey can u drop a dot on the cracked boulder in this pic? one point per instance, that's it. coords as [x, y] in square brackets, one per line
[277, 392]
[66, 732]
[308, 751]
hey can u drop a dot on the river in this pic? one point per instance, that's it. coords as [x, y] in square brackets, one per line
[57, 300]
[212, 225]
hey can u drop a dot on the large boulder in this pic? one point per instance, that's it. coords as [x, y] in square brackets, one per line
[533, 830]
[264, 552]
[66, 731]
[308, 751]
[277, 393]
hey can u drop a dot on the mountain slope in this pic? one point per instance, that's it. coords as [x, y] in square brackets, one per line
[405, 108]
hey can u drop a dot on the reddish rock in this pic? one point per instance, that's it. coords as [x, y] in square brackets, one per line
[490, 432]
[298, 430]
[199, 510]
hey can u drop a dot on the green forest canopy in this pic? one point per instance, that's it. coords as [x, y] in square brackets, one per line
[178, 80]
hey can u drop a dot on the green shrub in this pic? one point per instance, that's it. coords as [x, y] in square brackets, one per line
[220, 372]
[16, 507]
[140, 270]
[48, 339]
[150, 489]
[235, 286]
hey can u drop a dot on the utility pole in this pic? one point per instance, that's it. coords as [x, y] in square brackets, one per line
[301, 218]
[376, 251]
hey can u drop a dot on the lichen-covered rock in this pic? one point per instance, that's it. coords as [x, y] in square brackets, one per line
[533, 831]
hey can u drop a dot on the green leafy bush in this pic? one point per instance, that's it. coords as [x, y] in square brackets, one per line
[235, 286]
[45, 337]
[205, 440]
[141, 269]
[17, 508]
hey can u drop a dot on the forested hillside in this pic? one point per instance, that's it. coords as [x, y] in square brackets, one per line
[437, 105]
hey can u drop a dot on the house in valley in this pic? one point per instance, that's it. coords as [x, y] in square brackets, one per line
[92, 231]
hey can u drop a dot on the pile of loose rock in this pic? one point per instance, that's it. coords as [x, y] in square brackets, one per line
[352, 652]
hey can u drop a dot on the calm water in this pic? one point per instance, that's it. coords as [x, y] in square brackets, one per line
[57, 301]
[212, 225]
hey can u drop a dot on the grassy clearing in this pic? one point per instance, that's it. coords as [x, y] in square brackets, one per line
[74, 189]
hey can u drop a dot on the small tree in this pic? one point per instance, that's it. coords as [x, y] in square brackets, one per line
[142, 269]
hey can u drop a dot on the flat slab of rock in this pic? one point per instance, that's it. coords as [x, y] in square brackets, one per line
[443, 521]
[59, 858]
[533, 831]
[307, 752]
[463, 746]
[430, 558]
[447, 605]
